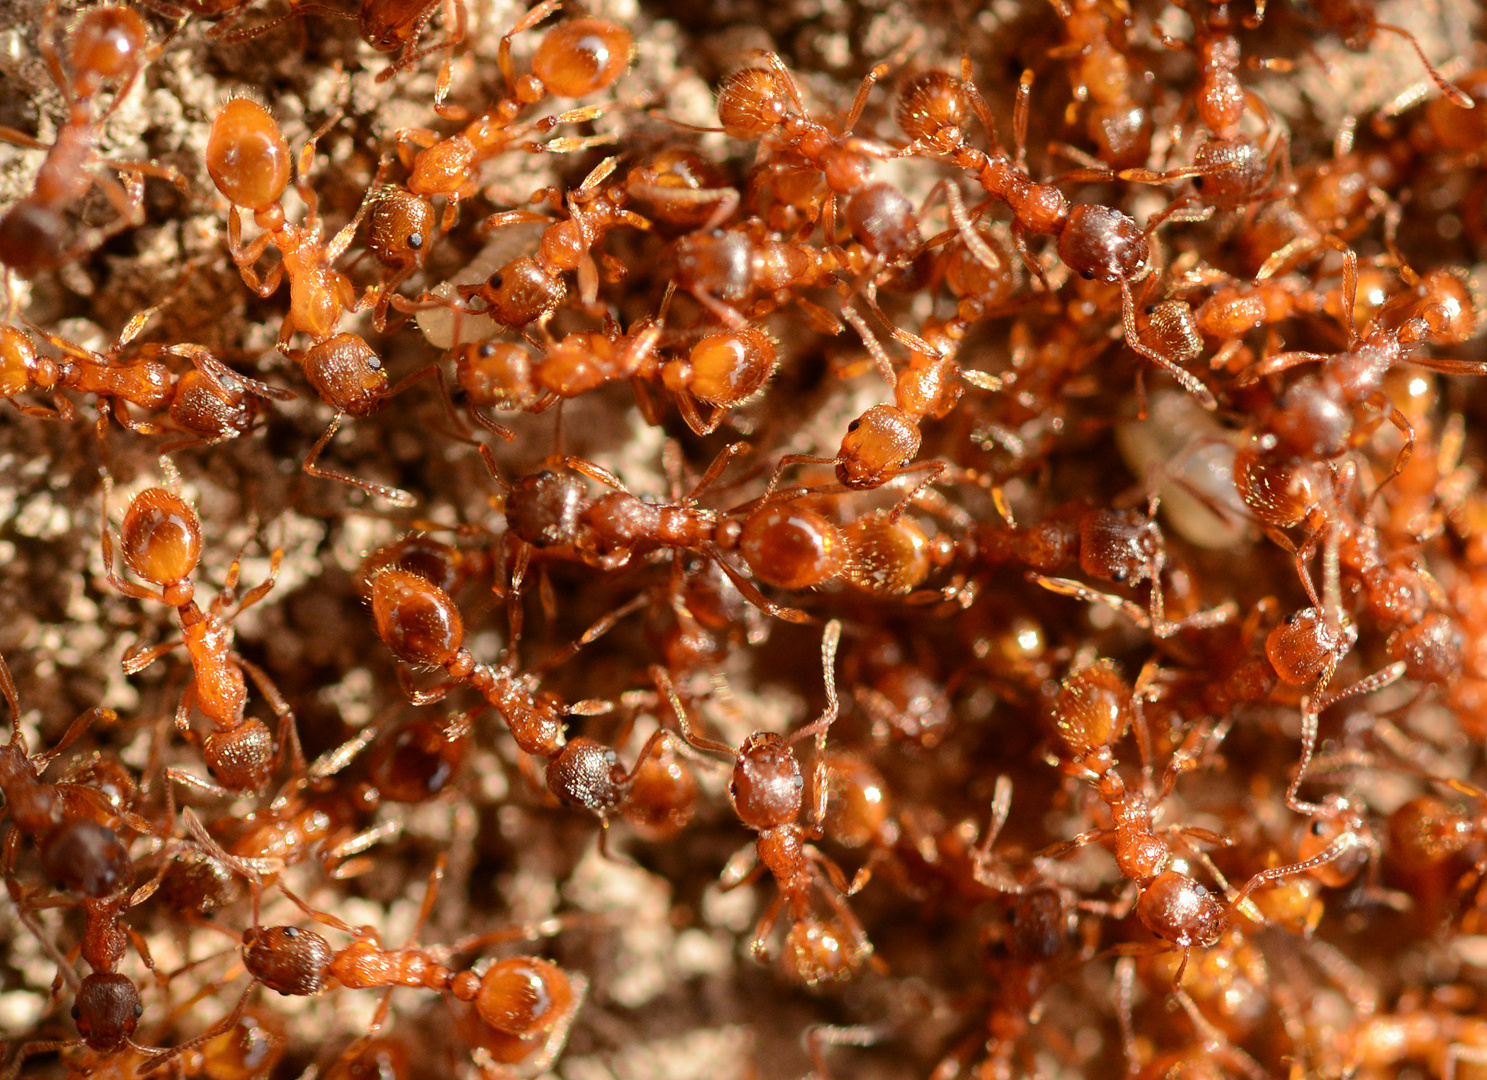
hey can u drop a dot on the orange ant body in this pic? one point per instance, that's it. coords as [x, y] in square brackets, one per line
[161, 543]
[1099, 243]
[529, 1003]
[1116, 119]
[575, 58]
[108, 45]
[767, 792]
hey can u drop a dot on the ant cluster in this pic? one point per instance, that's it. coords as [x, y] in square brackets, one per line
[1049, 571]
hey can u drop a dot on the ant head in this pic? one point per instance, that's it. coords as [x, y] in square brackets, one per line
[1117, 546]
[767, 785]
[587, 774]
[582, 57]
[400, 228]
[752, 103]
[241, 758]
[106, 1010]
[247, 155]
[347, 373]
[524, 996]
[416, 619]
[877, 444]
[1041, 925]
[161, 537]
[1102, 244]
[522, 292]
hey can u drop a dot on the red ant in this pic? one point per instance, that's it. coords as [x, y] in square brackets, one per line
[1116, 118]
[108, 45]
[575, 59]
[161, 543]
[767, 792]
[1096, 242]
[528, 1003]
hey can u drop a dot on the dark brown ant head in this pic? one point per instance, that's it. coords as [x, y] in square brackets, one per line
[1280, 491]
[241, 758]
[752, 103]
[1041, 926]
[161, 537]
[1172, 329]
[86, 858]
[1093, 708]
[416, 619]
[888, 557]
[544, 509]
[1176, 908]
[286, 959]
[587, 774]
[582, 57]
[1101, 244]
[107, 1010]
[792, 546]
[347, 373]
[247, 155]
[107, 46]
[521, 292]
[524, 996]
[767, 785]
[877, 445]
[932, 110]
[417, 762]
[400, 228]
[1117, 545]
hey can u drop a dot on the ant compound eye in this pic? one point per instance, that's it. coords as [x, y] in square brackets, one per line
[1087, 275]
[139, 1010]
[487, 350]
[415, 241]
[496, 281]
[1318, 828]
[1149, 308]
[291, 931]
[76, 1012]
[854, 425]
[1291, 619]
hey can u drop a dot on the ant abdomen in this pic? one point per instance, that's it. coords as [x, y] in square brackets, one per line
[792, 546]
[582, 57]
[86, 858]
[932, 110]
[882, 218]
[1093, 708]
[1432, 649]
[247, 155]
[724, 368]
[523, 996]
[418, 762]
[1177, 909]
[200, 883]
[1301, 647]
[767, 785]
[161, 537]
[242, 757]
[416, 619]
[1040, 927]
[544, 509]
[889, 557]
[289, 960]
[751, 103]
[107, 1010]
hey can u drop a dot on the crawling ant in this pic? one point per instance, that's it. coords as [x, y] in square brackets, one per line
[527, 1003]
[108, 45]
[1117, 119]
[1099, 243]
[160, 539]
[574, 59]
[1357, 24]
[767, 792]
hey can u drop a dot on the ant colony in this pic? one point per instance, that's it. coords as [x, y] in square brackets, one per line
[891, 539]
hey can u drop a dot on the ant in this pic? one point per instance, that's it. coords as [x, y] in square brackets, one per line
[587, 773]
[574, 59]
[160, 539]
[108, 45]
[1099, 243]
[767, 792]
[1117, 119]
[530, 288]
[528, 1002]
[1357, 24]
[1127, 547]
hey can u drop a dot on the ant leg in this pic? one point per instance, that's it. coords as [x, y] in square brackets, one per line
[191, 780]
[1059, 850]
[75, 731]
[715, 469]
[31, 1049]
[595, 472]
[1189, 382]
[397, 496]
[751, 591]
[288, 734]
[1456, 95]
[817, 1037]
[759, 947]
[869, 339]
[593, 633]
[431, 696]
[1067, 587]
[20, 138]
[526, 22]
[784, 463]
[225, 1025]
[1020, 111]
[696, 741]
